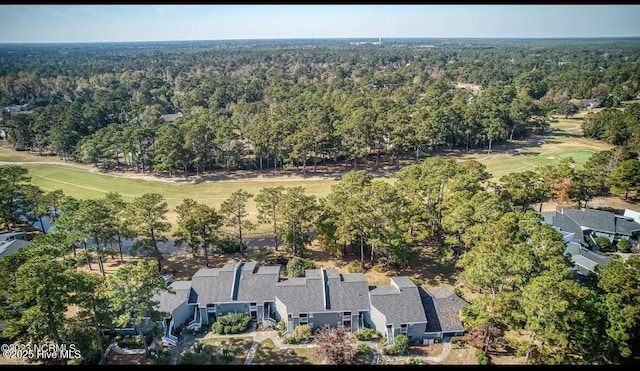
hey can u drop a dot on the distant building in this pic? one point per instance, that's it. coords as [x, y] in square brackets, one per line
[591, 103]
[169, 117]
[11, 242]
[16, 108]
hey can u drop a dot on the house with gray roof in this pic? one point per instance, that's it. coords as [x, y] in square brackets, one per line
[586, 224]
[442, 308]
[584, 260]
[241, 287]
[174, 305]
[170, 117]
[11, 242]
[323, 297]
[570, 230]
[397, 309]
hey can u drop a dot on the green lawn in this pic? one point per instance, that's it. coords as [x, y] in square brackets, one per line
[84, 184]
[566, 140]
[268, 354]
[239, 345]
[77, 181]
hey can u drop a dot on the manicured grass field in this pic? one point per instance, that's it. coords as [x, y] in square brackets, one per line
[85, 184]
[566, 140]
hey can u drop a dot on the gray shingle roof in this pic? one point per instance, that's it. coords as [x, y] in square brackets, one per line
[346, 292]
[169, 117]
[442, 308]
[597, 220]
[301, 295]
[626, 226]
[564, 224]
[400, 302]
[583, 257]
[222, 285]
[11, 247]
[258, 285]
[168, 301]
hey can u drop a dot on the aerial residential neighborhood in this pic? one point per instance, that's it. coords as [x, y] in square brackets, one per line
[319, 185]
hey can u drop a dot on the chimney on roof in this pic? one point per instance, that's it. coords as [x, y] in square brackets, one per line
[237, 270]
[325, 289]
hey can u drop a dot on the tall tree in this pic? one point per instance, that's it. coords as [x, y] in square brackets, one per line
[269, 201]
[44, 288]
[146, 215]
[234, 209]
[198, 226]
[557, 317]
[625, 177]
[93, 306]
[620, 281]
[12, 179]
[299, 212]
[130, 291]
[117, 210]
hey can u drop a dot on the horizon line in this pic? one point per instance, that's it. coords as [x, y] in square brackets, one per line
[335, 38]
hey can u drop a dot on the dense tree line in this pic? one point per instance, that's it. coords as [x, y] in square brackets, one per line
[275, 104]
[491, 230]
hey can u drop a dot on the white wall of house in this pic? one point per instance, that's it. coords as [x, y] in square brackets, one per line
[632, 214]
[182, 314]
[378, 320]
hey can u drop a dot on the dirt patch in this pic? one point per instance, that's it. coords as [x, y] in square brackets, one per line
[426, 350]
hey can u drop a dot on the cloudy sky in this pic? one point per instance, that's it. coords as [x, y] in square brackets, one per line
[98, 23]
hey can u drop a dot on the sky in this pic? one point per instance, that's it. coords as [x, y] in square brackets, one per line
[112, 23]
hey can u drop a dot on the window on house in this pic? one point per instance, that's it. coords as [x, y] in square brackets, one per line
[289, 316]
[303, 315]
[252, 304]
[403, 328]
[346, 313]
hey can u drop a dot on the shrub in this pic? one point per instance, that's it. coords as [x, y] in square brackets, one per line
[458, 340]
[302, 332]
[217, 327]
[296, 266]
[367, 334]
[364, 349]
[400, 346]
[160, 356]
[402, 343]
[623, 245]
[379, 268]
[414, 361]
[228, 245]
[197, 356]
[481, 357]
[231, 323]
[382, 341]
[355, 267]
[416, 281]
[602, 242]
[282, 328]
[225, 356]
[289, 340]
